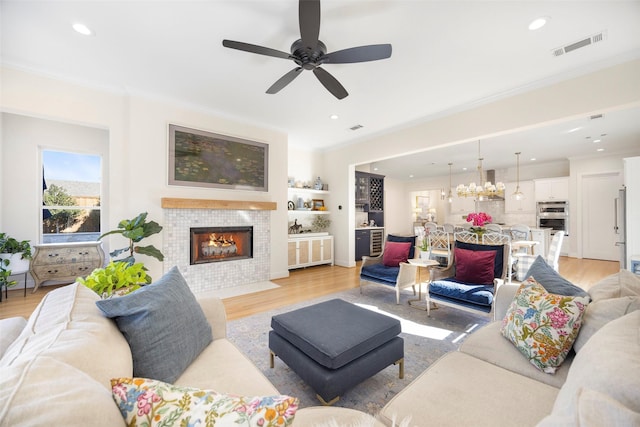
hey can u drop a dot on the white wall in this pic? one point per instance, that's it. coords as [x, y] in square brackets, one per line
[601, 91]
[23, 138]
[138, 151]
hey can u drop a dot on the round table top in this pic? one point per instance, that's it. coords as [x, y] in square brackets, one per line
[423, 262]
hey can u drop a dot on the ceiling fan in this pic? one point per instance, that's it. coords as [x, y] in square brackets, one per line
[309, 53]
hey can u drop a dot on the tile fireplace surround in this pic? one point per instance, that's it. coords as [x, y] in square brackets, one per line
[182, 214]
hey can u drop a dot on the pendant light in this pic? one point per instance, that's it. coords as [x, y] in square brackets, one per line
[450, 197]
[518, 195]
[485, 189]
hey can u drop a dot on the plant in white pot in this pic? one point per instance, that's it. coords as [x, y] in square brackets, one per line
[14, 258]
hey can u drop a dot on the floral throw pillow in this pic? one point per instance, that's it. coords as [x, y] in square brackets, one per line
[543, 326]
[146, 402]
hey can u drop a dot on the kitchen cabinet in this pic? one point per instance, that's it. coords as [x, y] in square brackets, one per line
[307, 251]
[463, 205]
[526, 205]
[65, 261]
[552, 189]
[362, 188]
[363, 243]
[370, 191]
[369, 242]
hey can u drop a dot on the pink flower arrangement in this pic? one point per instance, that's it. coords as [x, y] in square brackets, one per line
[479, 218]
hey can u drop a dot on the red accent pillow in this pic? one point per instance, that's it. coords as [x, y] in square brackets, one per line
[395, 253]
[474, 266]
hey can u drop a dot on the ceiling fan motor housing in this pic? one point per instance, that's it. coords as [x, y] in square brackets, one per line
[306, 57]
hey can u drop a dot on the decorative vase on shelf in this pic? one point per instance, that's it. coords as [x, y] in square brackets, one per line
[318, 184]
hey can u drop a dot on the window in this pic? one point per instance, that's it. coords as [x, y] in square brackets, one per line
[71, 196]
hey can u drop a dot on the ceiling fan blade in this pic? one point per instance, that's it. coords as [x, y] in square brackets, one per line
[260, 50]
[330, 83]
[284, 80]
[372, 52]
[309, 17]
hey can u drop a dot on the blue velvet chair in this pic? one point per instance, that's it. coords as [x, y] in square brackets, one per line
[475, 292]
[373, 269]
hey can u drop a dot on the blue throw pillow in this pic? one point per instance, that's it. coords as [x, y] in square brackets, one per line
[410, 239]
[551, 281]
[163, 324]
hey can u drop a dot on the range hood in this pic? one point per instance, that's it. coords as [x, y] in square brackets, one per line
[491, 177]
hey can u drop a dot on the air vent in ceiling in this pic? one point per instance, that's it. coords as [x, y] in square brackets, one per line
[356, 127]
[596, 38]
[596, 116]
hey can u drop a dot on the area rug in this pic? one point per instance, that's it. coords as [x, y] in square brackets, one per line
[425, 340]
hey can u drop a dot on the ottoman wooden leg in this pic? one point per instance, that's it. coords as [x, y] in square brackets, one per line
[272, 356]
[329, 403]
[401, 363]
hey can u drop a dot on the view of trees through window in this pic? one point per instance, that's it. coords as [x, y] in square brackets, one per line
[70, 197]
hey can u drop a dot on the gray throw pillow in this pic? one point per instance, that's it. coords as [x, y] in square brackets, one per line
[164, 325]
[553, 282]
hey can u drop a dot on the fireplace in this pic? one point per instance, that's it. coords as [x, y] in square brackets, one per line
[215, 244]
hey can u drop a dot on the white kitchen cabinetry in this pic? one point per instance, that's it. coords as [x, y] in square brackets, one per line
[462, 205]
[552, 189]
[526, 205]
[306, 251]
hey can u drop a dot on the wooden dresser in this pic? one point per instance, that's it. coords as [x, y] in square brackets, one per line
[65, 261]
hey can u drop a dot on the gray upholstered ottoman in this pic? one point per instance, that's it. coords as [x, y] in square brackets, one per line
[335, 345]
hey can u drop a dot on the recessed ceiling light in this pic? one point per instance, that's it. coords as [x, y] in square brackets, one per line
[375, 169]
[82, 29]
[600, 149]
[574, 130]
[411, 176]
[464, 169]
[596, 140]
[538, 23]
[533, 159]
[334, 117]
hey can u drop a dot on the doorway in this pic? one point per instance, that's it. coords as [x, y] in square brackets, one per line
[599, 192]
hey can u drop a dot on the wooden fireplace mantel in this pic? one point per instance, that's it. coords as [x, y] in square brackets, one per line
[236, 205]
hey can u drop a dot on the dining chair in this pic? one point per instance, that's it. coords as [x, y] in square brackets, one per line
[449, 228]
[496, 228]
[466, 236]
[499, 238]
[430, 226]
[440, 243]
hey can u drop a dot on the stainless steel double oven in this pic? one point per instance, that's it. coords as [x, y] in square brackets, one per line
[553, 215]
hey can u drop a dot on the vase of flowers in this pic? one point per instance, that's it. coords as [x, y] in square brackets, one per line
[479, 219]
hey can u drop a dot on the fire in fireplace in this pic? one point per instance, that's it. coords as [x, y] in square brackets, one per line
[214, 244]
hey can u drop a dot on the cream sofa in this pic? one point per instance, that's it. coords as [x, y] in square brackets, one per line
[487, 382]
[56, 367]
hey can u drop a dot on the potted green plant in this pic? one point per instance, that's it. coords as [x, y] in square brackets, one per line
[117, 278]
[135, 230]
[14, 256]
[424, 248]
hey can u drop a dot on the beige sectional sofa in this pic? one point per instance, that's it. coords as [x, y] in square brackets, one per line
[488, 382]
[56, 367]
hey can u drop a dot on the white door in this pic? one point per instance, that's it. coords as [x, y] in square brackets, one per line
[598, 236]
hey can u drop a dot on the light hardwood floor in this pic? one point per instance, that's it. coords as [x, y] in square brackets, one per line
[310, 283]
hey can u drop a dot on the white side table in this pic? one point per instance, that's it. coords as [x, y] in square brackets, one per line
[421, 264]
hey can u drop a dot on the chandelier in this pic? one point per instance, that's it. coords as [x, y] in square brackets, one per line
[483, 189]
